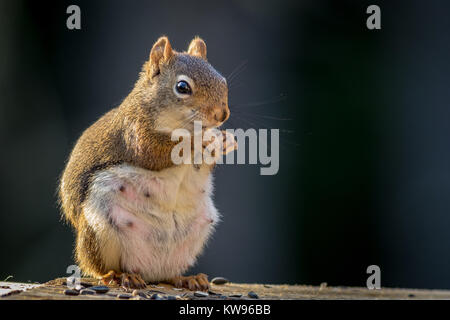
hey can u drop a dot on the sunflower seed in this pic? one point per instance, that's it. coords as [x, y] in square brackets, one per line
[156, 297]
[155, 291]
[70, 292]
[100, 289]
[86, 284]
[201, 294]
[87, 291]
[219, 280]
[213, 293]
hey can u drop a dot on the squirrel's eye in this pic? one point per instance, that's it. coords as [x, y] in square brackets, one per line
[183, 87]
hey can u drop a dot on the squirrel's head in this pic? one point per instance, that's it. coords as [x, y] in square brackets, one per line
[186, 87]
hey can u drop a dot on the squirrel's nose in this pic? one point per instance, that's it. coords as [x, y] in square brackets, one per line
[221, 114]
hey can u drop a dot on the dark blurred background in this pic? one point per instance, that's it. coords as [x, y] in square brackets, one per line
[364, 159]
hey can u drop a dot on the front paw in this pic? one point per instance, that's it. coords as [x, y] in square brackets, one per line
[229, 142]
[221, 143]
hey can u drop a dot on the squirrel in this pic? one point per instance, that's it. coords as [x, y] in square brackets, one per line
[138, 217]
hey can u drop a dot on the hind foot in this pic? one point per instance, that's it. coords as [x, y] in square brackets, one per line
[112, 277]
[197, 282]
[132, 281]
[126, 280]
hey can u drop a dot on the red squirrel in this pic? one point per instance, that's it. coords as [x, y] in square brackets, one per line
[137, 216]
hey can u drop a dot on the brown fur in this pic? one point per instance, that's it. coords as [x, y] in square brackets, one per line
[128, 133]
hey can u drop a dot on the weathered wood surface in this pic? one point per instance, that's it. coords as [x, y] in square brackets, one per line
[54, 290]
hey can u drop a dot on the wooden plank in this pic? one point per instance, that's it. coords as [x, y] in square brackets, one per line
[54, 290]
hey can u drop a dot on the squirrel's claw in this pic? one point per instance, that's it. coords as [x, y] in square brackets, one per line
[196, 282]
[126, 280]
[229, 142]
[111, 277]
[132, 281]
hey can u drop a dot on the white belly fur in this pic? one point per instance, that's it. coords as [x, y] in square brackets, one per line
[151, 223]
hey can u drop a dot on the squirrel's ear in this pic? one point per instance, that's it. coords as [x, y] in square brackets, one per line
[197, 48]
[161, 53]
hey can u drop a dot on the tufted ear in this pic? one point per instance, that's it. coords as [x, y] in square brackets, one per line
[160, 54]
[197, 48]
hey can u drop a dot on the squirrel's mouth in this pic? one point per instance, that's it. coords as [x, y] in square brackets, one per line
[204, 121]
[210, 117]
[214, 123]
[211, 123]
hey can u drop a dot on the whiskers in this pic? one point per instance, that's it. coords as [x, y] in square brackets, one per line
[237, 71]
[245, 118]
[269, 101]
[189, 119]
